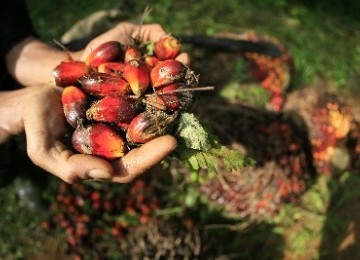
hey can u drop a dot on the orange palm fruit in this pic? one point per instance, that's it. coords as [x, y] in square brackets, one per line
[100, 140]
[137, 75]
[68, 73]
[132, 53]
[103, 84]
[108, 51]
[113, 109]
[75, 102]
[167, 47]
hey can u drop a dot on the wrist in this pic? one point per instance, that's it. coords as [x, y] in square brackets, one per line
[11, 112]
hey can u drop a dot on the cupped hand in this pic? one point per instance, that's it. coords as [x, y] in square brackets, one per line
[126, 32]
[45, 127]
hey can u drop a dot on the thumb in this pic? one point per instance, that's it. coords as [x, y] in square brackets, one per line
[140, 160]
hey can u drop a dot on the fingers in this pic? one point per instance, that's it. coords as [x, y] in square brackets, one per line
[68, 166]
[150, 32]
[140, 160]
[44, 125]
[184, 58]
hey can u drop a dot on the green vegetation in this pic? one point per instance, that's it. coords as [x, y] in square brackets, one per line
[324, 41]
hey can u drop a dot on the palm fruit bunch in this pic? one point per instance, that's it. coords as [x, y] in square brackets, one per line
[123, 96]
[328, 120]
[89, 213]
[283, 172]
[274, 73]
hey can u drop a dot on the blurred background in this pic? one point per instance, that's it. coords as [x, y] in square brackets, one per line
[295, 114]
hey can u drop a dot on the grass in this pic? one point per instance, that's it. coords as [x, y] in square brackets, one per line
[325, 45]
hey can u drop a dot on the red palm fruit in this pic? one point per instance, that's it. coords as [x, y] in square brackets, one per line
[167, 72]
[75, 102]
[100, 140]
[137, 75]
[150, 61]
[111, 67]
[102, 84]
[113, 109]
[165, 98]
[108, 51]
[69, 72]
[149, 125]
[132, 53]
[167, 47]
[170, 98]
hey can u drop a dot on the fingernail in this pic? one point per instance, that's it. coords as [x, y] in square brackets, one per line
[99, 174]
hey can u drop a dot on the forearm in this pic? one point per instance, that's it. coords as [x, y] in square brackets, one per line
[31, 61]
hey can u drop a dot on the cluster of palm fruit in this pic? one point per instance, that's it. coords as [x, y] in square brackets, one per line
[273, 72]
[283, 170]
[124, 95]
[288, 154]
[328, 119]
[89, 214]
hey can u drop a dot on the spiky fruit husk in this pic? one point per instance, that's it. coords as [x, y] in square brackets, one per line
[149, 125]
[75, 103]
[68, 73]
[170, 97]
[100, 140]
[112, 109]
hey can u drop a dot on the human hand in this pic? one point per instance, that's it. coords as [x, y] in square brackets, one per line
[125, 32]
[45, 125]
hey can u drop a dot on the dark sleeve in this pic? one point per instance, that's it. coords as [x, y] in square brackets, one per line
[15, 24]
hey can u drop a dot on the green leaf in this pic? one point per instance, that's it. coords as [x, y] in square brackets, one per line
[201, 149]
[192, 133]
